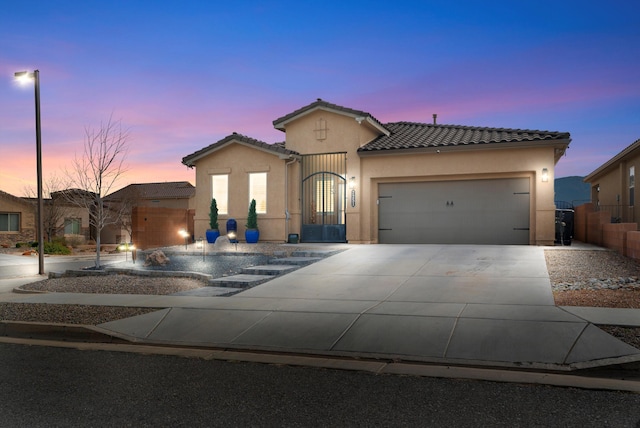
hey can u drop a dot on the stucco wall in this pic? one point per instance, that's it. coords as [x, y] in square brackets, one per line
[159, 227]
[343, 134]
[613, 183]
[237, 160]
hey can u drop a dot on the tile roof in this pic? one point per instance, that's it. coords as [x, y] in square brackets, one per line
[277, 148]
[412, 135]
[321, 104]
[168, 190]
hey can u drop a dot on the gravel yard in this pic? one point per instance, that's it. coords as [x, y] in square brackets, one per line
[593, 278]
[579, 278]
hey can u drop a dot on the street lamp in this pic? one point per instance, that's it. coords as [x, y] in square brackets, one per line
[25, 76]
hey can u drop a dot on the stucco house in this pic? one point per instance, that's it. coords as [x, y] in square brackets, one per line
[17, 220]
[341, 175]
[613, 185]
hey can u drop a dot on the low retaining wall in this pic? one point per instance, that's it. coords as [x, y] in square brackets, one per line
[124, 271]
[614, 236]
[595, 227]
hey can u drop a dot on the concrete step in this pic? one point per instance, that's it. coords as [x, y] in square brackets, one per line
[298, 261]
[269, 269]
[314, 253]
[240, 281]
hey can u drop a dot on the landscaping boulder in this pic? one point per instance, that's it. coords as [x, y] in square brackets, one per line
[156, 258]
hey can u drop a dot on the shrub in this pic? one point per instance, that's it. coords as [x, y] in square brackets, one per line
[213, 215]
[252, 217]
[73, 241]
[56, 248]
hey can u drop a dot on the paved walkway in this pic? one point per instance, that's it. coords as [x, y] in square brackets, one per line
[480, 305]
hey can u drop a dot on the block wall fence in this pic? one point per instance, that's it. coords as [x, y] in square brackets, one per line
[595, 227]
[159, 227]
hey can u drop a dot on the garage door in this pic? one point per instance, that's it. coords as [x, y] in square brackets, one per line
[454, 212]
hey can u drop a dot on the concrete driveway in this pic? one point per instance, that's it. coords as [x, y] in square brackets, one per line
[486, 305]
[461, 304]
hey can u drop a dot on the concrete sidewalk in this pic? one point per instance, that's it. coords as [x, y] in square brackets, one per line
[467, 305]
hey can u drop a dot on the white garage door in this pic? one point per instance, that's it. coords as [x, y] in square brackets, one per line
[454, 212]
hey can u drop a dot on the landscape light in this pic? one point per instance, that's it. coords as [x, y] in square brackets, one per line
[185, 235]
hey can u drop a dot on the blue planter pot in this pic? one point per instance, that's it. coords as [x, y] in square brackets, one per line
[252, 236]
[212, 235]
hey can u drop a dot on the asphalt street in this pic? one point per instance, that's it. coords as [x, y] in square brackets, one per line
[50, 386]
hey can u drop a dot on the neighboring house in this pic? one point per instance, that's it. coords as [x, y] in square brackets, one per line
[613, 185]
[173, 195]
[17, 220]
[343, 176]
[63, 219]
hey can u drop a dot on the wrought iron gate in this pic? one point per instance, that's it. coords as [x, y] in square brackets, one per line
[324, 198]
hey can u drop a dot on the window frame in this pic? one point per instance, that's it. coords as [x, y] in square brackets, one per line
[71, 221]
[9, 216]
[222, 199]
[261, 200]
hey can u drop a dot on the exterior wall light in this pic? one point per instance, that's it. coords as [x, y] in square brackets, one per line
[545, 175]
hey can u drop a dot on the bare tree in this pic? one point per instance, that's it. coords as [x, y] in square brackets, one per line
[122, 202]
[56, 208]
[95, 173]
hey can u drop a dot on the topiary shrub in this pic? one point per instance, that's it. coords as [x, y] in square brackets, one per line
[213, 215]
[252, 216]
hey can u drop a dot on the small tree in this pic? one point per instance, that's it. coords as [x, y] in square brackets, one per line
[95, 173]
[56, 209]
[213, 215]
[252, 217]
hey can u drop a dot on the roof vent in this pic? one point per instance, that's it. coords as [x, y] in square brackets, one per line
[435, 117]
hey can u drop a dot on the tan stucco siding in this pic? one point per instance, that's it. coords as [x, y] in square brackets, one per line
[237, 161]
[342, 134]
[462, 165]
[613, 185]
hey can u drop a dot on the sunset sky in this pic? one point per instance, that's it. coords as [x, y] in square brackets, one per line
[181, 75]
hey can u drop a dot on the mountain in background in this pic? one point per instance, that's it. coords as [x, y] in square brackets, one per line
[572, 190]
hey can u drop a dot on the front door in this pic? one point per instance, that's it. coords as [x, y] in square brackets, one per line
[324, 198]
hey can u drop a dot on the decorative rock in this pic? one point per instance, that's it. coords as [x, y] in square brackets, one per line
[157, 258]
[222, 243]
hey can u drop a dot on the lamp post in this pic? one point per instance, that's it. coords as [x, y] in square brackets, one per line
[25, 75]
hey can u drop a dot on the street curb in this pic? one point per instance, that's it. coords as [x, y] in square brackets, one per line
[48, 331]
[92, 337]
[377, 367]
